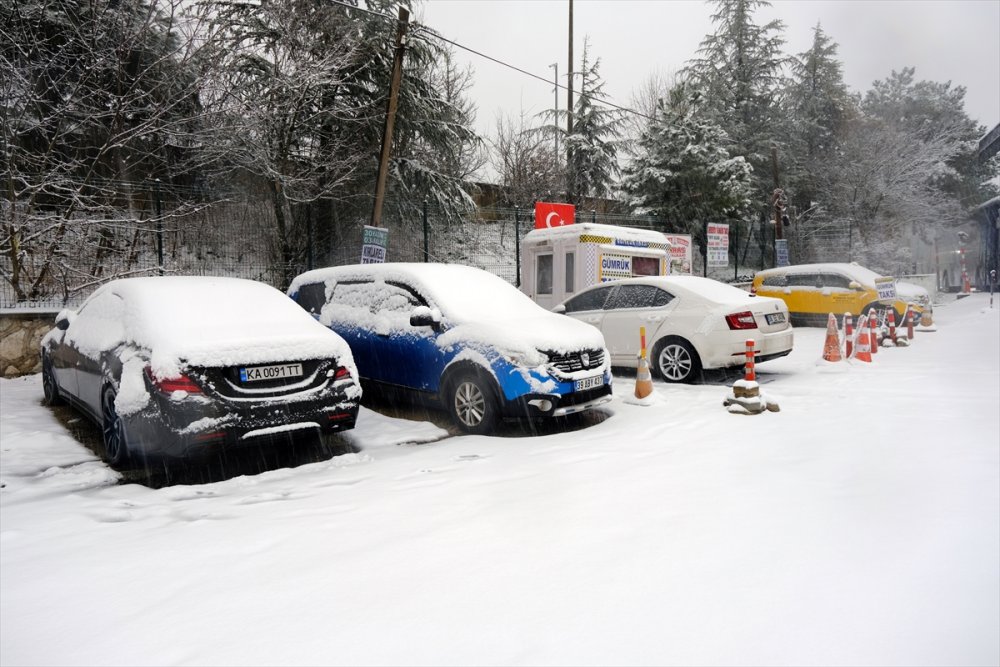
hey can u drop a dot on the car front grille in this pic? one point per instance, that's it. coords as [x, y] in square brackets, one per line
[576, 361]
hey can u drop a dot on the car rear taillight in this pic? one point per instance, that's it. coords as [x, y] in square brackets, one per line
[341, 374]
[170, 385]
[743, 320]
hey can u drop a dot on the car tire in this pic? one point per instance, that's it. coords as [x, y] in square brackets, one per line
[471, 402]
[113, 430]
[675, 360]
[50, 390]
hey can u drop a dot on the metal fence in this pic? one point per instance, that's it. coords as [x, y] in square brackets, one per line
[238, 239]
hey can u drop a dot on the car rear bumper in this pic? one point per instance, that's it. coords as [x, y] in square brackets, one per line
[187, 429]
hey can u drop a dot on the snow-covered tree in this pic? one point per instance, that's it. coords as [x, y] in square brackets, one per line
[738, 72]
[683, 170]
[819, 108]
[525, 163]
[99, 98]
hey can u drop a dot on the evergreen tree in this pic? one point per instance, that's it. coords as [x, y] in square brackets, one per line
[597, 129]
[738, 72]
[592, 150]
[683, 170]
[819, 108]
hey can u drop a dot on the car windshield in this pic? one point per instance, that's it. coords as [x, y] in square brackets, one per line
[476, 296]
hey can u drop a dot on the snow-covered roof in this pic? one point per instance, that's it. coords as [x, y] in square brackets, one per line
[596, 229]
[860, 273]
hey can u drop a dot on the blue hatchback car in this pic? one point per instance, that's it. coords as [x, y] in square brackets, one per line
[461, 336]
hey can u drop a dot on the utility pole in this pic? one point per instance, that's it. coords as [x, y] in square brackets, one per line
[569, 113]
[556, 120]
[390, 116]
[778, 195]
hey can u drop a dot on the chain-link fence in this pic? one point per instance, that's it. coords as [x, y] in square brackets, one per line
[55, 262]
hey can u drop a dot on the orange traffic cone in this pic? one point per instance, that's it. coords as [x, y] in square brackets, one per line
[643, 378]
[873, 331]
[909, 322]
[831, 348]
[863, 350]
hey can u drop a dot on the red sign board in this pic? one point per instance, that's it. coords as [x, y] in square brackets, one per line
[553, 215]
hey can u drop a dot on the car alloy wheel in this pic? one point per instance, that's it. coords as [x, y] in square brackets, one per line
[676, 361]
[112, 429]
[472, 405]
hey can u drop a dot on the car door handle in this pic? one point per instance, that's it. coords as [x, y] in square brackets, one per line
[654, 318]
[591, 320]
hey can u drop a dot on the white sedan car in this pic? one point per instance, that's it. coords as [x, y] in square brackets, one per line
[691, 323]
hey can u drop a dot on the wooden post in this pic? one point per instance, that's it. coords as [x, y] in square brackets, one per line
[390, 117]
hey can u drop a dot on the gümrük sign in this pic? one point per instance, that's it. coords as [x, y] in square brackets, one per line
[548, 214]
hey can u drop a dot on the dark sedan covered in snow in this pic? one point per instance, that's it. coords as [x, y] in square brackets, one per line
[180, 366]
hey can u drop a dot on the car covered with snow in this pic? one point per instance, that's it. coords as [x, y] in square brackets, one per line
[691, 323]
[813, 291]
[461, 337]
[178, 366]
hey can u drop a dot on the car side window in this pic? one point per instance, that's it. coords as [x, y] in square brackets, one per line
[312, 297]
[632, 296]
[661, 298]
[398, 298]
[99, 326]
[836, 280]
[775, 281]
[804, 280]
[592, 300]
[353, 295]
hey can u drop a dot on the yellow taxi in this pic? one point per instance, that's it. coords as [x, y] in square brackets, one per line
[813, 291]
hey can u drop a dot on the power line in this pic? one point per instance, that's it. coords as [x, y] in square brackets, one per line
[435, 34]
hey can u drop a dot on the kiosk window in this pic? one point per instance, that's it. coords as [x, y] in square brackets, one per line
[570, 272]
[645, 266]
[543, 274]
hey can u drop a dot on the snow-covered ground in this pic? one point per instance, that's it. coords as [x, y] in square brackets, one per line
[859, 525]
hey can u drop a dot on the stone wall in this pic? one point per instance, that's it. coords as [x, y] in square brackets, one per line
[20, 336]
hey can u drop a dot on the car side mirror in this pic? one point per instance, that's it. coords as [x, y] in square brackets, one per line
[422, 316]
[64, 319]
[854, 285]
[559, 310]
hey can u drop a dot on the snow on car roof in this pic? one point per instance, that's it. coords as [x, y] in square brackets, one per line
[480, 305]
[851, 268]
[461, 292]
[707, 288]
[218, 321]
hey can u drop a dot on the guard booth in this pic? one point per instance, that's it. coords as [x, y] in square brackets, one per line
[558, 262]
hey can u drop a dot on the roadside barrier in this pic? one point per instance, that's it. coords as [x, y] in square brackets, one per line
[745, 397]
[873, 330]
[643, 378]
[863, 351]
[891, 315]
[848, 336]
[909, 322]
[831, 347]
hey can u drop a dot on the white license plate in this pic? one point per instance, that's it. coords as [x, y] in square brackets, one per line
[775, 318]
[588, 383]
[274, 372]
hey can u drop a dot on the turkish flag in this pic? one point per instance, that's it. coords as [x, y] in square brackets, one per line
[553, 215]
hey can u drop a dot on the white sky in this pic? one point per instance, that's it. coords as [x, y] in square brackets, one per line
[955, 40]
